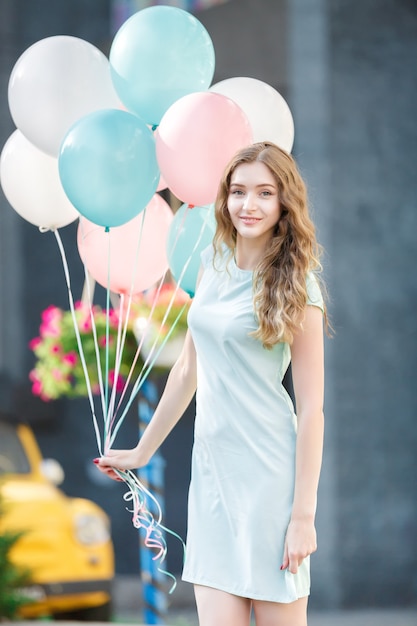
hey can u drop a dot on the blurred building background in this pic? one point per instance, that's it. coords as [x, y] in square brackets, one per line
[348, 72]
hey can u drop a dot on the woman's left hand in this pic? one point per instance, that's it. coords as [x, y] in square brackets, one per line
[300, 542]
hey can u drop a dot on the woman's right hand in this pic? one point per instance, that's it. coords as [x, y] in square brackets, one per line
[118, 460]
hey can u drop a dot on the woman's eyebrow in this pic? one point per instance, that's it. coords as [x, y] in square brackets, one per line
[260, 185]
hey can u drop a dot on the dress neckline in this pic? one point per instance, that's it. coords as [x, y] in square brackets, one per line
[239, 271]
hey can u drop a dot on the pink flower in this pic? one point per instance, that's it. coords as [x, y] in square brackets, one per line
[71, 358]
[83, 316]
[34, 343]
[55, 348]
[33, 376]
[51, 320]
[51, 313]
[85, 325]
[119, 383]
[57, 374]
[113, 317]
[50, 329]
[102, 341]
[37, 388]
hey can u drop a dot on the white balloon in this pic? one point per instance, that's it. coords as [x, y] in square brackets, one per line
[31, 183]
[267, 111]
[55, 82]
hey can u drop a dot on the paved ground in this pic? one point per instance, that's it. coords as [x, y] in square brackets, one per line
[369, 617]
[348, 618]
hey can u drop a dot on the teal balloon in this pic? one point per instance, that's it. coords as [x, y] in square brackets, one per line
[159, 55]
[107, 166]
[191, 231]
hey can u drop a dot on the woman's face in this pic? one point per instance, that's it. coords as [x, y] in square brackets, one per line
[253, 202]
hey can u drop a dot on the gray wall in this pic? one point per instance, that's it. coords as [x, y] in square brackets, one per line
[348, 72]
[373, 150]
[353, 94]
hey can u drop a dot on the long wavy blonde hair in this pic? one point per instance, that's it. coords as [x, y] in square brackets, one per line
[279, 284]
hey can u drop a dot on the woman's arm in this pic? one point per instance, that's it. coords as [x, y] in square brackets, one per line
[178, 393]
[307, 357]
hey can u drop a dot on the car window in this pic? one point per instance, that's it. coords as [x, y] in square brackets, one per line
[13, 459]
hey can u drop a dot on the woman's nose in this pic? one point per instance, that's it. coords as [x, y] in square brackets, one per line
[249, 202]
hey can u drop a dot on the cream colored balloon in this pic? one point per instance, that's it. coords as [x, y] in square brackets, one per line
[268, 113]
[31, 183]
[54, 83]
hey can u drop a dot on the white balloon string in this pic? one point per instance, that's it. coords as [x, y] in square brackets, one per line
[98, 362]
[94, 329]
[118, 357]
[140, 343]
[97, 352]
[106, 352]
[78, 337]
[132, 284]
[149, 318]
[121, 336]
[147, 368]
[156, 340]
[144, 372]
[154, 353]
[136, 263]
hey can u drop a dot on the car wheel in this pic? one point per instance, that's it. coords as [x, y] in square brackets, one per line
[102, 613]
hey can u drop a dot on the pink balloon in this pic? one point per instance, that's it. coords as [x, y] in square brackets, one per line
[195, 140]
[131, 257]
[161, 185]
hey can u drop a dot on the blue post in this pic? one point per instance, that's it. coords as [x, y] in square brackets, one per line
[154, 583]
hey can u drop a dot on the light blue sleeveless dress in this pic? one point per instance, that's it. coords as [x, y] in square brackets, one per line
[243, 462]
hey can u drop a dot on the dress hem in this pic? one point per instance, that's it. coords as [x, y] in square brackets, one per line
[240, 594]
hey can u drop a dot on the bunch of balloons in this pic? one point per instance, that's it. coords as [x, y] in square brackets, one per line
[97, 137]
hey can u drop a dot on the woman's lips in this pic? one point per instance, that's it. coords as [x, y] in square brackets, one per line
[250, 220]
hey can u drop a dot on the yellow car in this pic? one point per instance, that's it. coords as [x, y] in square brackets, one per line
[66, 542]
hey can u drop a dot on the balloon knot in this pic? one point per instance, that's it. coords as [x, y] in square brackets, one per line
[106, 229]
[154, 127]
[191, 206]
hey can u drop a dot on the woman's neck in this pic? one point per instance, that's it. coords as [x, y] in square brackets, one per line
[248, 254]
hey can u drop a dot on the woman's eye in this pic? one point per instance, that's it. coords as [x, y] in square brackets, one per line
[266, 193]
[237, 192]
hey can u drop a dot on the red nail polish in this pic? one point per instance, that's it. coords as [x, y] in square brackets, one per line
[96, 461]
[282, 567]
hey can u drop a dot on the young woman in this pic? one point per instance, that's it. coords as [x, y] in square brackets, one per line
[256, 464]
